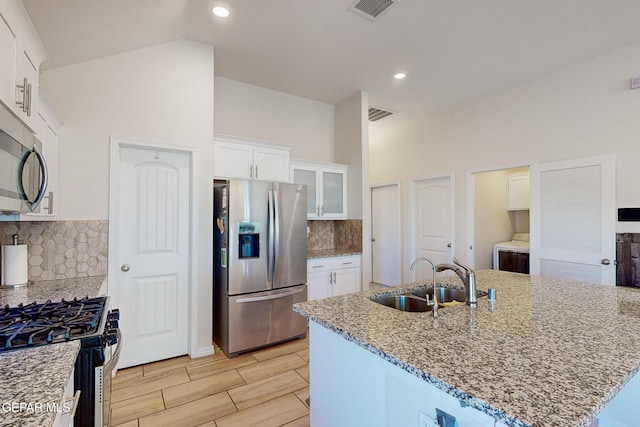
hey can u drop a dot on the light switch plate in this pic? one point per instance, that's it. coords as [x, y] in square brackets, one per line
[635, 83]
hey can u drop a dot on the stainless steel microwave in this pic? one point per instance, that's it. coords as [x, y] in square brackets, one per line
[23, 170]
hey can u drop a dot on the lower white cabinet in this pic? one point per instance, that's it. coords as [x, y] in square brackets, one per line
[330, 277]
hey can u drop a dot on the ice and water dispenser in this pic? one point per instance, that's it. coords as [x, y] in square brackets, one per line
[249, 240]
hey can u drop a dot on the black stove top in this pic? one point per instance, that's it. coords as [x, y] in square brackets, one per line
[34, 324]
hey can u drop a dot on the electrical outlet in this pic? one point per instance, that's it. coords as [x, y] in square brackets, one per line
[635, 83]
[444, 419]
[425, 420]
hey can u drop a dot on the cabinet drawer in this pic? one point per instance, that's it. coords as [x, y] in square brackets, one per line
[319, 264]
[345, 262]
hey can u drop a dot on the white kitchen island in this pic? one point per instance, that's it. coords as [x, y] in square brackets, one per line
[551, 353]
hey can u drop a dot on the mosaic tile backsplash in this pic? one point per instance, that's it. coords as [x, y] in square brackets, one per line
[61, 249]
[345, 234]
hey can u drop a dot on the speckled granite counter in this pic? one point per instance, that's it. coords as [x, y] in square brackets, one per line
[34, 377]
[53, 290]
[552, 353]
[39, 375]
[328, 253]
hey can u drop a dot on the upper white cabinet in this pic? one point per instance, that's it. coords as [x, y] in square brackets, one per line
[326, 188]
[518, 191]
[21, 53]
[47, 125]
[243, 158]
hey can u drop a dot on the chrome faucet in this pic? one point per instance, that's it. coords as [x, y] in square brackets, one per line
[434, 304]
[468, 277]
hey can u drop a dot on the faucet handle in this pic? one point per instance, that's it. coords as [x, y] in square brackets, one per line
[461, 265]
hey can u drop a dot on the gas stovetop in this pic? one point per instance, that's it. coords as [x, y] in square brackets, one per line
[34, 324]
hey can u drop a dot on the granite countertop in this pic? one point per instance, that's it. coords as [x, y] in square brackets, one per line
[34, 377]
[551, 353]
[328, 253]
[39, 375]
[54, 290]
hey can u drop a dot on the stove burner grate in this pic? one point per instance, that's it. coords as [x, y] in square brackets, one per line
[50, 322]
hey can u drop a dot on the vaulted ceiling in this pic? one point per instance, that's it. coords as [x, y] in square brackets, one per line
[451, 50]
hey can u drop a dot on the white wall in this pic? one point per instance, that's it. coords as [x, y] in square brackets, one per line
[161, 93]
[492, 220]
[254, 112]
[352, 148]
[348, 147]
[582, 110]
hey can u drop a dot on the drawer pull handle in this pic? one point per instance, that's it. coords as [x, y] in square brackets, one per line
[317, 266]
[347, 263]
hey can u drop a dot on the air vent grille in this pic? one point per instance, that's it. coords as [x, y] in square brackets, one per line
[371, 9]
[376, 113]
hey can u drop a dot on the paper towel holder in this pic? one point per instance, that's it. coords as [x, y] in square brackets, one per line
[19, 276]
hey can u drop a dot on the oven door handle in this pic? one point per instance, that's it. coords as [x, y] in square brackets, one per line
[114, 358]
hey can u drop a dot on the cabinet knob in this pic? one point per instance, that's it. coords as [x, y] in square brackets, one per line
[125, 267]
[605, 262]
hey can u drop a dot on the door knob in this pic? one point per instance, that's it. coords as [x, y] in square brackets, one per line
[125, 267]
[605, 262]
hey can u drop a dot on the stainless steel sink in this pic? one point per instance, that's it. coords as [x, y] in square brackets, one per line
[405, 302]
[446, 295]
[416, 301]
[443, 294]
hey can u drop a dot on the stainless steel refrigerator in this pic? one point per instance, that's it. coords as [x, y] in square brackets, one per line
[260, 263]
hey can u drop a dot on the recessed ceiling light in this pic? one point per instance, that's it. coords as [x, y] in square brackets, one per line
[399, 76]
[221, 11]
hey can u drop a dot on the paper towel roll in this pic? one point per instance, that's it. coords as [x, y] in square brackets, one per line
[14, 268]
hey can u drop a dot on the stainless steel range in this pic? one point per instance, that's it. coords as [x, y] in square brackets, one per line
[87, 319]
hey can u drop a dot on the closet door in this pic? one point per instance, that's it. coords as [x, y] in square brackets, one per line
[573, 219]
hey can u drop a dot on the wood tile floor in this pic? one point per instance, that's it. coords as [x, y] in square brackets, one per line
[268, 387]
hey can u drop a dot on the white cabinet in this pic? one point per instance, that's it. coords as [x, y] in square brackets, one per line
[21, 53]
[518, 191]
[47, 126]
[326, 188]
[243, 158]
[330, 277]
[8, 46]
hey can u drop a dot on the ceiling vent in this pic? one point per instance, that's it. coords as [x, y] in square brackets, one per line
[371, 9]
[376, 113]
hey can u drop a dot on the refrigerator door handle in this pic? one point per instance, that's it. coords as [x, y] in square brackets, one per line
[270, 244]
[269, 297]
[276, 234]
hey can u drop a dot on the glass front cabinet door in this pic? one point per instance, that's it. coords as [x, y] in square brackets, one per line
[326, 188]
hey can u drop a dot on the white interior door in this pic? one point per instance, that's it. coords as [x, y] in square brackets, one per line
[573, 219]
[385, 235]
[433, 222]
[153, 237]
